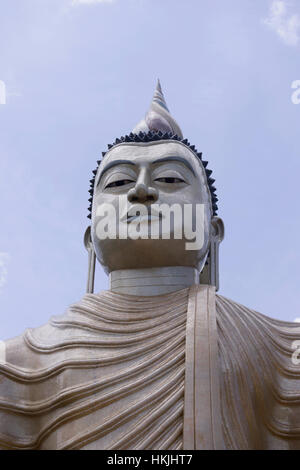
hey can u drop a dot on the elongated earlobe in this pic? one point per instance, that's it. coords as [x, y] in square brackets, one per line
[91, 260]
[210, 272]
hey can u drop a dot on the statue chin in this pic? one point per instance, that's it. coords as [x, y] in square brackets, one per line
[148, 253]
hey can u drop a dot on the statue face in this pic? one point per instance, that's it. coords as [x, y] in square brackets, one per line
[154, 173]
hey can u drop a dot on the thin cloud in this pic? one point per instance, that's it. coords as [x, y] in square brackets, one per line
[297, 320]
[90, 2]
[285, 25]
[4, 258]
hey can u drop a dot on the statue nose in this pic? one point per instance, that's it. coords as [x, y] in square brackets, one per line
[142, 193]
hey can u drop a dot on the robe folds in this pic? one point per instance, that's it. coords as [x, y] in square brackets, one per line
[185, 370]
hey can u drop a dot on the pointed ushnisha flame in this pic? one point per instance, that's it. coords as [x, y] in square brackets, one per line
[158, 125]
[158, 117]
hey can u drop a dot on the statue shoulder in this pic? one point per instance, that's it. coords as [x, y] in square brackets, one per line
[22, 351]
[255, 337]
[241, 316]
[18, 352]
[32, 349]
[260, 369]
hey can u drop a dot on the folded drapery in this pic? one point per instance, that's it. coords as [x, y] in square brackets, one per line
[185, 370]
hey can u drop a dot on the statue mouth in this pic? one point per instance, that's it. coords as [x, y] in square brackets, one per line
[143, 218]
[134, 213]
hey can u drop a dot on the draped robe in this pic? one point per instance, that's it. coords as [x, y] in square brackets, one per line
[184, 370]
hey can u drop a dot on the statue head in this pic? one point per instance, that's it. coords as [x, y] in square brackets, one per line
[151, 194]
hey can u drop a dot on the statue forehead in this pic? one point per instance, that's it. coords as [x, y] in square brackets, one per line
[150, 151]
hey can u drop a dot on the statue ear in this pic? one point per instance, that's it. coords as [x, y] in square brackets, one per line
[210, 272]
[91, 260]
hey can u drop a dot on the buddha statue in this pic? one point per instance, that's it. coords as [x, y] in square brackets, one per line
[160, 360]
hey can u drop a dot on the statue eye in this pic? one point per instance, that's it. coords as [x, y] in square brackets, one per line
[170, 180]
[114, 184]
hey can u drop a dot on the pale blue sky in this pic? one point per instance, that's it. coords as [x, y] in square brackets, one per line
[79, 74]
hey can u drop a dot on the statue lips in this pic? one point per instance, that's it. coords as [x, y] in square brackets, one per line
[131, 215]
[142, 218]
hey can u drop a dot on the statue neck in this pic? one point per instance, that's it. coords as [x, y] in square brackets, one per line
[152, 281]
